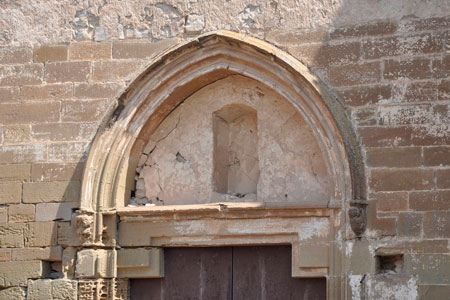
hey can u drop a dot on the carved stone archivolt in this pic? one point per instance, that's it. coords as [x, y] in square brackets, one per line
[110, 174]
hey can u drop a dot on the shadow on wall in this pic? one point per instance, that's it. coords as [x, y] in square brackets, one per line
[371, 67]
[387, 72]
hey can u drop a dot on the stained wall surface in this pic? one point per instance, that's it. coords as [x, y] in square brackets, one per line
[283, 161]
[63, 63]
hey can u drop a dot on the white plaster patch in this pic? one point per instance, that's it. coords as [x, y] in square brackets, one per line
[180, 159]
[388, 288]
[355, 286]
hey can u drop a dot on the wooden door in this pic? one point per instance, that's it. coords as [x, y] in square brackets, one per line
[228, 273]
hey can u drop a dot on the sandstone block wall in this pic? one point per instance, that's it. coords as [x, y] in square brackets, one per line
[62, 64]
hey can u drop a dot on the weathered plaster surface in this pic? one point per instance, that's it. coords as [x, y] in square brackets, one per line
[53, 21]
[177, 164]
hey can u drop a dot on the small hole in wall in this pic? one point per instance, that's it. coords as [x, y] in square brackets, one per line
[389, 264]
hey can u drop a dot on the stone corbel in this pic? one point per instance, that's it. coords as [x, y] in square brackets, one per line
[357, 216]
[84, 222]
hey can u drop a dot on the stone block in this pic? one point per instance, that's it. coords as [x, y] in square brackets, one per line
[3, 214]
[50, 53]
[33, 112]
[9, 94]
[46, 289]
[18, 272]
[22, 74]
[47, 254]
[67, 235]
[27, 153]
[401, 179]
[15, 55]
[409, 225]
[140, 263]
[443, 179]
[436, 156]
[429, 200]
[139, 49]
[67, 152]
[57, 171]
[426, 43]
[377, 28]
[14, 172]
[87, 111]
[385, 136]
[391, 201]
[63, 131]
[95, 263]
[350, 75]
[431, 268]
[404, 157]
[10, 192]
[89, 51]
[296, 37]
[68, 262]
[360, 259]
[67, 72]
[12, 235]
[415, 68]
[16, 134]
[433, 291]
[14, 293]
[5, 254]
[47, 92]
[60, 191]
[436, 224]
[97, 90]
[39, 290]
[64, 290]
[54, 211]
[114, 70]
[327, 54]
[21, 213]
[313, 256]
[41, 234]
[399, 287]
[441, 67]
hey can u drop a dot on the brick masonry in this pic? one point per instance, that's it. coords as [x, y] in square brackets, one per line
[392, 76]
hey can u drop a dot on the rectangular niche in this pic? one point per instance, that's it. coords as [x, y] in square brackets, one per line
[236, 163]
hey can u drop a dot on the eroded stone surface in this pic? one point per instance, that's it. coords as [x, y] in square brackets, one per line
[154, 19]
[177, 164]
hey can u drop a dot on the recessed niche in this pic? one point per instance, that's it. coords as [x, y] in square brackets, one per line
[236, 164]
[389, 264]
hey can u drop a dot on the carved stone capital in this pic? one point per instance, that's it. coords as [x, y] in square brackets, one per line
[84, 224]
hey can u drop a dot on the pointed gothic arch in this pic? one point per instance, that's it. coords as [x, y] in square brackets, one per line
[181, 71]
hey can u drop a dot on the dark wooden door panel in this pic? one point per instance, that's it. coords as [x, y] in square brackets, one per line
[190, 274]
[264, 273]
[228, 273]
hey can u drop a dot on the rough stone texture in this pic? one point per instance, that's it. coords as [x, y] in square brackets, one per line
[52, 290]
[18, 272]
[41, 234]
[21, 213]
[14, 293]
[387, 61]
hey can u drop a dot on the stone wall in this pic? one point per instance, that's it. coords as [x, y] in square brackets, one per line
[63, 64]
